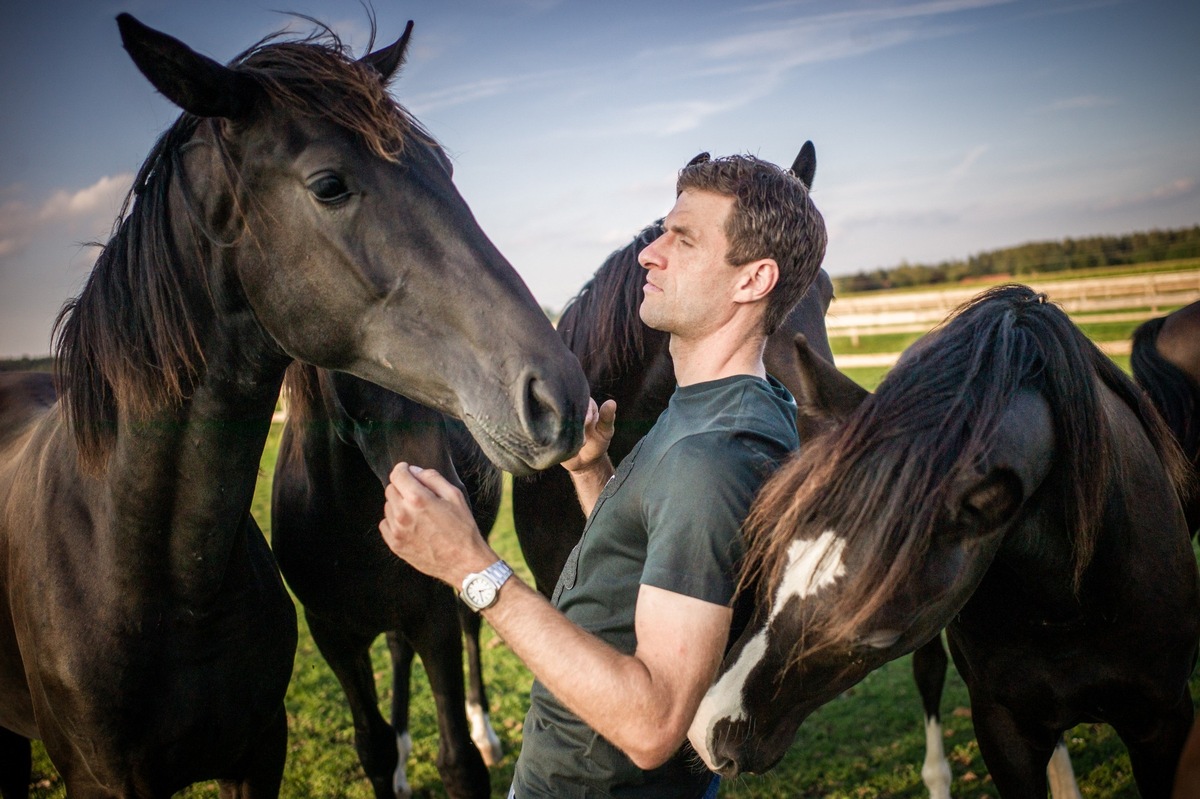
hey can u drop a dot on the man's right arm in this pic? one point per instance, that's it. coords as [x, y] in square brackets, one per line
[591, 468]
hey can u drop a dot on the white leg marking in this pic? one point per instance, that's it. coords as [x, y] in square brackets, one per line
[1060, 774]
[936, 770]
[485, 738]
[812, 565]
[400, 779]
[724, 698]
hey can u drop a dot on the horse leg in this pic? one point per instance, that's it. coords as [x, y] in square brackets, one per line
[402, 657]
[1156, 745]
[262, 770]
[348, 655]
[16, 764]
[1061, 775]
[485, 738]
[437, 638]
[1016, 756]
[929, 663]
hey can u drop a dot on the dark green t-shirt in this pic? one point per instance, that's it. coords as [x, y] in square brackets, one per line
[670, 517]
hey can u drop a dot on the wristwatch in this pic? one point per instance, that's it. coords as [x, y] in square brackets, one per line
[481, 589]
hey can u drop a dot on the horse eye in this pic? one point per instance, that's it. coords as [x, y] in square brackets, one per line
[328, 188]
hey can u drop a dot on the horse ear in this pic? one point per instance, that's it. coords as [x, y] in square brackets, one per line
[194, 82]
[387, 60]
[699, 158]
[805, 165]
[825, 394]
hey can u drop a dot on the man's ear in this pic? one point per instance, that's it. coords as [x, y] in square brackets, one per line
[756, 280]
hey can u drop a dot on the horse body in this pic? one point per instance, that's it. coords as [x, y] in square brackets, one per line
[294, 212]
[627, 361]
[1166, 363]
[132, 620]
[1006, 483]
[341, 440]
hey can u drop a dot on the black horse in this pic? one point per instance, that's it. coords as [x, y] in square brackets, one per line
[629, 362]
[342, 437]
[294, 211]
[1008, 483]
[1166, 363]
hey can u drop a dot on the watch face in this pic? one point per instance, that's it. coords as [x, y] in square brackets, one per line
[479, 592]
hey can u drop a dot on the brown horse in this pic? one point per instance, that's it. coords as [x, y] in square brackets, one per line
[294, 211]
[342, 437]
[1008, 483]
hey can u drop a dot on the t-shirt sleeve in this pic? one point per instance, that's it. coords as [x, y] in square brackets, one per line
[694, 506]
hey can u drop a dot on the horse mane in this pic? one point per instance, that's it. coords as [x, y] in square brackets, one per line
[600, 324]
[928, 426]
[132, 338]
[1172, 391]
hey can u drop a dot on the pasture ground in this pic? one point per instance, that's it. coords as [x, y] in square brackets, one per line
[867, 743]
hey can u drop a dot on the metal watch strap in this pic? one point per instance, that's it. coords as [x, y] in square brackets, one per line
[498, 573]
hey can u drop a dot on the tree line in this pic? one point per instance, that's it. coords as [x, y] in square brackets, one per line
[1034, 258]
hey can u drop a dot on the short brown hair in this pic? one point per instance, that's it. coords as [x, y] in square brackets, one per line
[773, 216]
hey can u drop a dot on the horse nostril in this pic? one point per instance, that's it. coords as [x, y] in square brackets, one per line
[540, 412]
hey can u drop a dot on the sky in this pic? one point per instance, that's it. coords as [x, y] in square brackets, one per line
[943, 127]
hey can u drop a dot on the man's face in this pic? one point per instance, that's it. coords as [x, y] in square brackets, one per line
[689, 284]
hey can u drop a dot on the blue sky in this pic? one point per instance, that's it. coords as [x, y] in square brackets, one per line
[943, 127]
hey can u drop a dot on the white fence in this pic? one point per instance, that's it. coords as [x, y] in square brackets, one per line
[1104, 299]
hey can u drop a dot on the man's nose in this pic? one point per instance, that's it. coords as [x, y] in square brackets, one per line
[648, 257]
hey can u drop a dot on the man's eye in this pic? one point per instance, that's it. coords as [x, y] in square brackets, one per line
[328, 188]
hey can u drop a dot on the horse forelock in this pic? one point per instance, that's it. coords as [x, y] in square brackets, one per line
[317, 76]
[930, 422]
[601, 324]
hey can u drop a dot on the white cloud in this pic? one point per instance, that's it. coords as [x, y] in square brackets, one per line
[1167, 193]
[457, 95]
[961, 169]
[1081, 102]
[84, 213]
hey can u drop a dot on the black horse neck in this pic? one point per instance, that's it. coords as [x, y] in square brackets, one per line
[181, 478]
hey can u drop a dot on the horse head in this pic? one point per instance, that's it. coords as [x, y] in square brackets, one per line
[848, 568]
[340, 240]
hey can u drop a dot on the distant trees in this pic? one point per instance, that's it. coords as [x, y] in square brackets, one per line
[27, 364]
[1034, 258]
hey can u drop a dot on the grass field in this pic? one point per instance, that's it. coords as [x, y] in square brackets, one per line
[867, 743]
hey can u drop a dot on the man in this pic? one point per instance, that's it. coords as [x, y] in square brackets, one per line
[640, 618]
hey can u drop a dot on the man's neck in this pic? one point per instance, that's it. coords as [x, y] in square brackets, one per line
[715, 357]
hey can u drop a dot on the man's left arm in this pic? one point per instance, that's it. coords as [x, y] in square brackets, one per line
[641, 703]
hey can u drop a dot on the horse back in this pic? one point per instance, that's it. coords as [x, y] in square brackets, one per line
[26, 398]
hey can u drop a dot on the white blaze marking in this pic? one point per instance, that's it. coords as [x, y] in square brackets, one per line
[1061, 775]
[812, 565]
[935, 773]
[400, 777]
[485, 738]
[724, 698]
